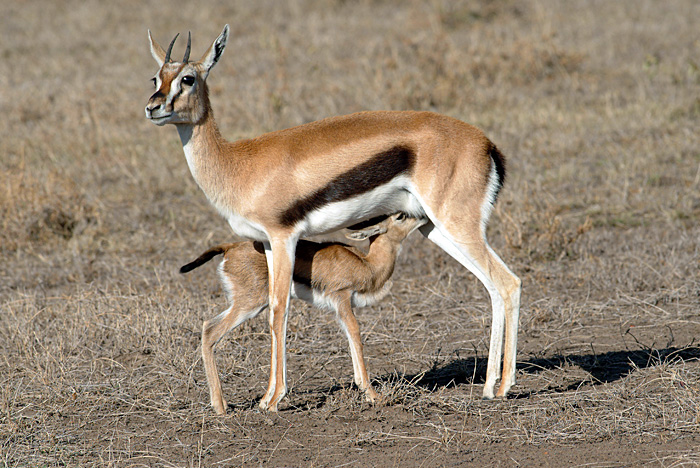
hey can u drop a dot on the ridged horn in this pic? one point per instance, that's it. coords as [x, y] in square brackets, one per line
[187, 51]
[170, 48]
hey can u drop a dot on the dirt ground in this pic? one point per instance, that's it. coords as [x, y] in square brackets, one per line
[595, 104]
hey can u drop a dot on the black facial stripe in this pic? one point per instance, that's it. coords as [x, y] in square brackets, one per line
[157, 95]
[161, 93]
[177, 95]
[376, 171]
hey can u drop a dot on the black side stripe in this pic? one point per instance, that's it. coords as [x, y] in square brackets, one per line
[376, 171]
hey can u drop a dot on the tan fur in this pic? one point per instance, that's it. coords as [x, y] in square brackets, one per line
[251, 182]
[337, 274]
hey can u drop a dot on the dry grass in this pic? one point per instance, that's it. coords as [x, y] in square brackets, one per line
[597, 106]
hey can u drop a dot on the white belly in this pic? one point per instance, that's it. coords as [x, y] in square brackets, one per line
[386, 199]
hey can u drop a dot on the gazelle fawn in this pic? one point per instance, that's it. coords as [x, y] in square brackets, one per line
[329, 276]
[323, 176]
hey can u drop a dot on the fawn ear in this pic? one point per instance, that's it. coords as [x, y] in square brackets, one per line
[366, 233]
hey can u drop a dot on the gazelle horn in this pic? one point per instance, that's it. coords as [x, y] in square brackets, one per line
[187, 51]
[170, 48]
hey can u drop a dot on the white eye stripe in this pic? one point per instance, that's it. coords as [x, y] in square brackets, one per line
[187, 75]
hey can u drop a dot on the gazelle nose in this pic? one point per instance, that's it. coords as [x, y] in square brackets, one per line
[150, 108]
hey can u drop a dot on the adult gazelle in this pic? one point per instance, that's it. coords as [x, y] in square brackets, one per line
[326, 175]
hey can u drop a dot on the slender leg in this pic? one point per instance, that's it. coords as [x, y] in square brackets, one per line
[512, 318]
[271, 380]
[504, 289]
[212, 331]
[348, 323]
[282, 251]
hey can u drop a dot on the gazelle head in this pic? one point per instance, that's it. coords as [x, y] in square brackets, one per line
[181, 95]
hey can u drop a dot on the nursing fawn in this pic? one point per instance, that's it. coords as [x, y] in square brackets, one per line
[329, 276]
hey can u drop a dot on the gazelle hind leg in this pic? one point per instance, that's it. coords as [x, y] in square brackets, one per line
[212, 331]
[504, 290]
[511, 339]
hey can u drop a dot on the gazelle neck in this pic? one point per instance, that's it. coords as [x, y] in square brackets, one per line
[382, 256]
[201, 141]
[207, 154]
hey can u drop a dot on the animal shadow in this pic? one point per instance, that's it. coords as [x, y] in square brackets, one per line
[600, 368]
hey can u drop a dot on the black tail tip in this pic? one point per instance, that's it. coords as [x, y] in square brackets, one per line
[499, 162]
[186, 268]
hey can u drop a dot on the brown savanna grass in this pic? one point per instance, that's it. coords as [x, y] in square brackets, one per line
[597, 106]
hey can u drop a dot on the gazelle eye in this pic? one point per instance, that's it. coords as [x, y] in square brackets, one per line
[401, 216]
[155, 82]
[188, 80]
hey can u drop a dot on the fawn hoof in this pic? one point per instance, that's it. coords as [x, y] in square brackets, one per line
[371, 396]
[271, 404]
[219, 406]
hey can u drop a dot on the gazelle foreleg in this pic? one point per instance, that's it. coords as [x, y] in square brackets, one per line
[280, 253]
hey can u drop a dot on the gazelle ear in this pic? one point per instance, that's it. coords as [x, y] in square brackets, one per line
[366, 233]
[212, 55]
[156, 50]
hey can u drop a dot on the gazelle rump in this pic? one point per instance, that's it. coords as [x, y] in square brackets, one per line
[329, 276]
[325, 175]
